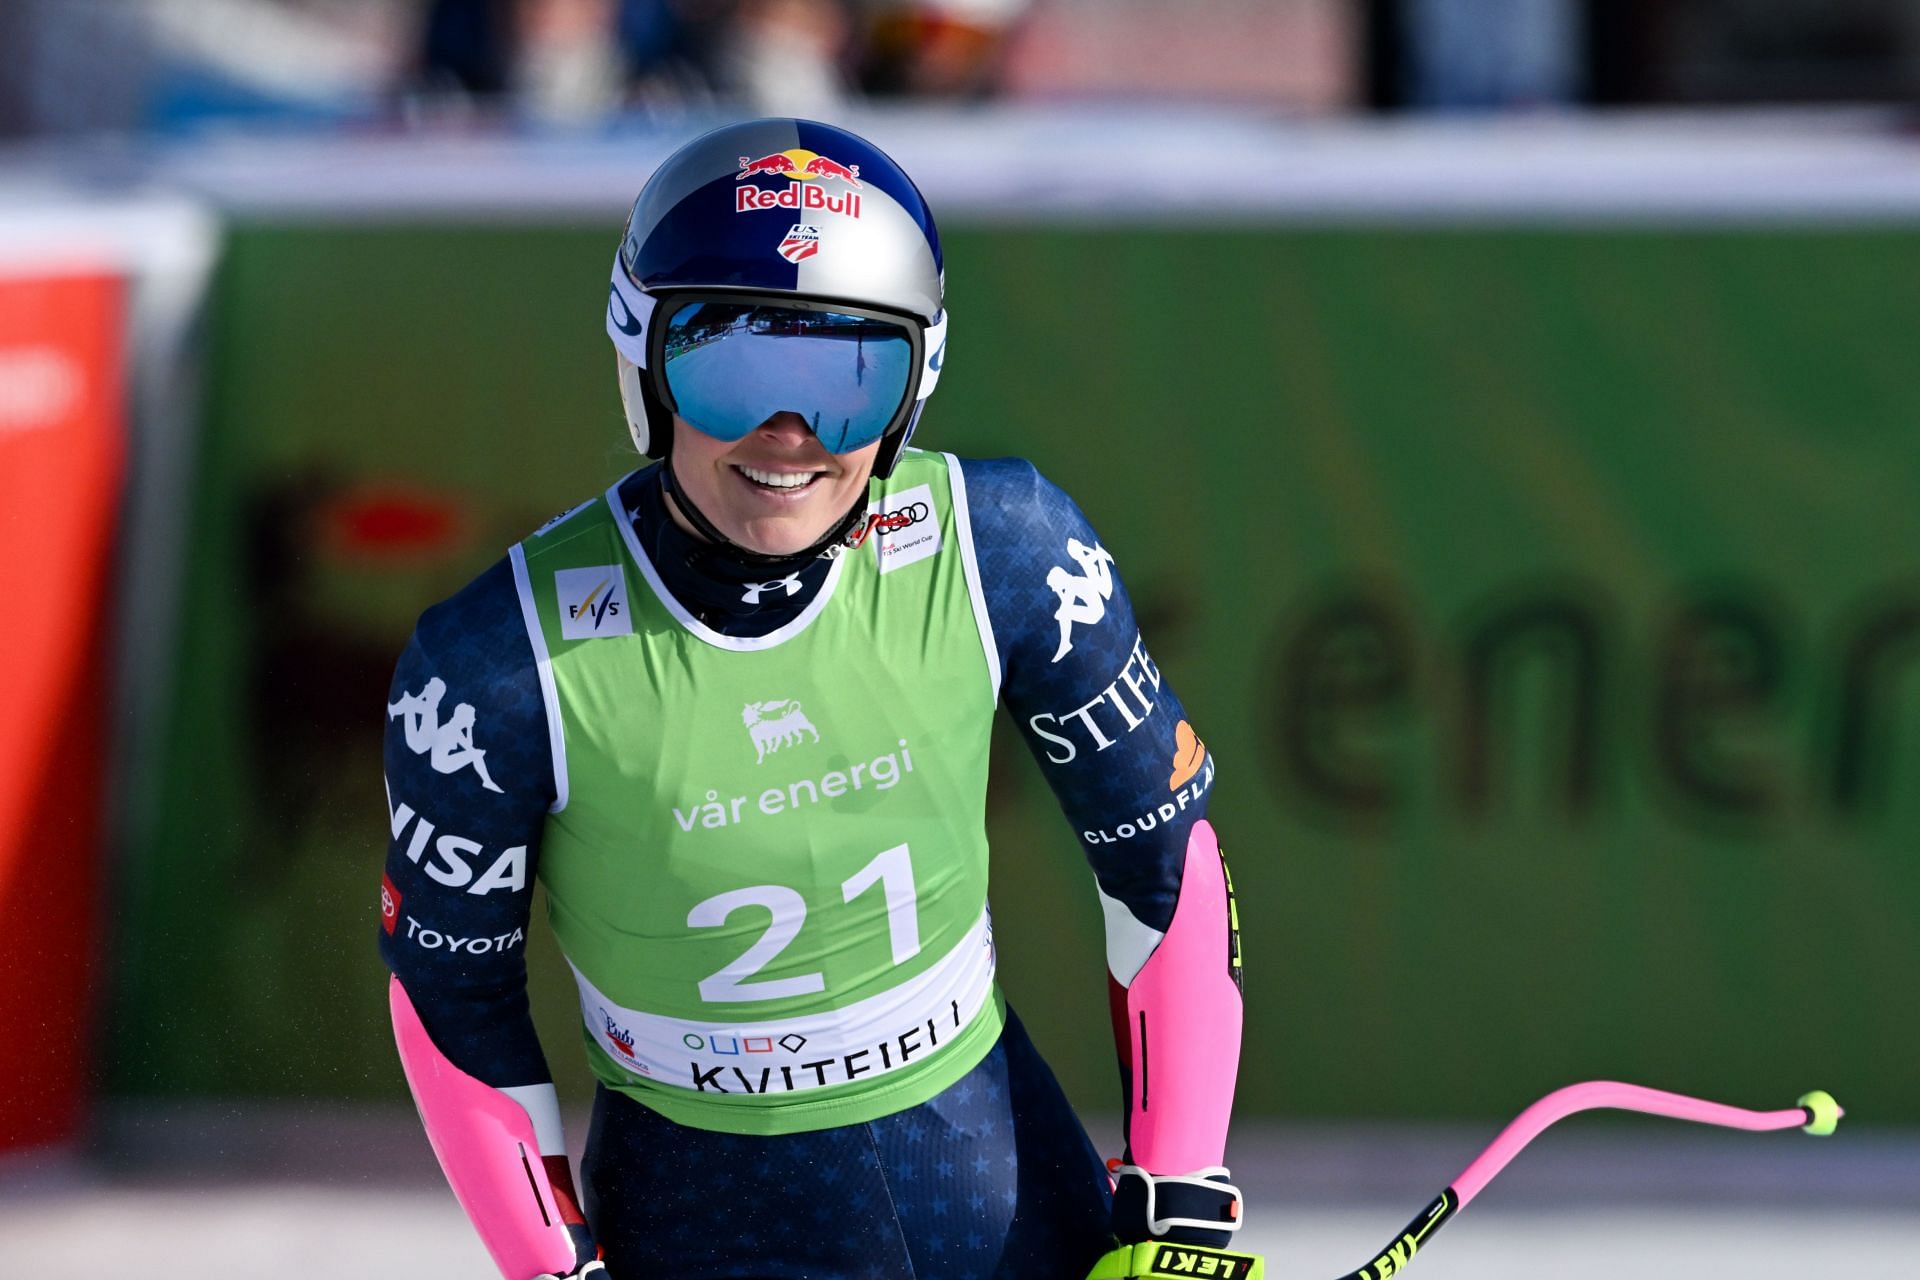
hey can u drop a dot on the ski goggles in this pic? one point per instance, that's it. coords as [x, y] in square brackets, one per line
[728, 361]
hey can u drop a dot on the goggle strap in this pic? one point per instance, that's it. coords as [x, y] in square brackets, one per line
[933, 356]
[629, 311]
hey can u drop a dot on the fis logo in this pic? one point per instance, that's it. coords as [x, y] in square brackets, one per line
[593, 602]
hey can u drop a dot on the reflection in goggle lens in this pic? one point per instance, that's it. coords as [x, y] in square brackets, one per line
[731, 366]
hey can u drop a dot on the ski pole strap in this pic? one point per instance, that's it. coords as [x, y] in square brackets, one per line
[1154, 1259]
[1155, 1205]
[1399, 1251]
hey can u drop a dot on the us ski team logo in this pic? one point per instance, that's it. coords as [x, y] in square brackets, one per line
[777, 724]
[593, 602]
[802, 242]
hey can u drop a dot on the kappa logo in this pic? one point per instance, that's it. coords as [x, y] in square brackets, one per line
[448, 746]
[593, 602]
[773, 725]
[1083, 596]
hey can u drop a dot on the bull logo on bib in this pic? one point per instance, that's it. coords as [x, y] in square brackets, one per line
[774, 725]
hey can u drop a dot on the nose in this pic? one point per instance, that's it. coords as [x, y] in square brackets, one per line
[788, 428]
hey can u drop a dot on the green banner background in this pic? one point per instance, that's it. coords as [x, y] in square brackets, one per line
[1549, 598]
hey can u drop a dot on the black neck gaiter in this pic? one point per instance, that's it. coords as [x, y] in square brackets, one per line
[734, 592]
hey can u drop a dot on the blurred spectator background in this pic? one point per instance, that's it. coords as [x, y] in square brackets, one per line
[130, 65]
[169, 63]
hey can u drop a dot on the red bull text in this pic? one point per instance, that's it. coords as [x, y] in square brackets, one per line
[803, 170]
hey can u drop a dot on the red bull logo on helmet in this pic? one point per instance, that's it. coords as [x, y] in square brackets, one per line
[804, 171]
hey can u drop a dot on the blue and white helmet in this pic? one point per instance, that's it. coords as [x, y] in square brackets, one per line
[778, 208]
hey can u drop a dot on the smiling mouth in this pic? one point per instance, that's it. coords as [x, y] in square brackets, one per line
[778, 481]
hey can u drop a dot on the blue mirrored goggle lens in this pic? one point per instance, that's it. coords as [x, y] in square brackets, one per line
[731, 366]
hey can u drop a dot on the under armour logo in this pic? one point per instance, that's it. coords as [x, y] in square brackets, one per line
[1083, 596]
[756, 589]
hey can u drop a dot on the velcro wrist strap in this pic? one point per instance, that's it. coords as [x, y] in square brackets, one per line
[1203, 1200]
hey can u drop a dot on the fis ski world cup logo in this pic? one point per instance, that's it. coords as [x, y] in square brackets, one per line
[801, 242]
[805, 172]
[776, 724]
[903, 528]
[593, 602]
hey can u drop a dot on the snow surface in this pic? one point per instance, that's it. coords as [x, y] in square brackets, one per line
[350, 1193]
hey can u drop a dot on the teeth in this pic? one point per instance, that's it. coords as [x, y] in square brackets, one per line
[779, 479]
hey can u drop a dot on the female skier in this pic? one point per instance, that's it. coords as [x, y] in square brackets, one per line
[734, 714]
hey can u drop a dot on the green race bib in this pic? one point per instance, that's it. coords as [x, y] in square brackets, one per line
[768, 862]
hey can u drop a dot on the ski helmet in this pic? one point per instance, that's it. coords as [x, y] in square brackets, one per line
[768, 230]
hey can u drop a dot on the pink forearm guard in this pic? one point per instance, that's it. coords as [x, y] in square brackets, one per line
[487, 1147]
[1183, 1013]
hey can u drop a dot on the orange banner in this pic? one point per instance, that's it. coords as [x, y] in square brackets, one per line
[62, 449]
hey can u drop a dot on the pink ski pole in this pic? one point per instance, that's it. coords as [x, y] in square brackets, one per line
[1816, 1113]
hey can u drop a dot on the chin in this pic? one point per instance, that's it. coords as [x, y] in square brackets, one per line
[781, 539]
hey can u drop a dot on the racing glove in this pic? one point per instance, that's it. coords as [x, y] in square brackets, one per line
[1175, 1225]
[592, 1271]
